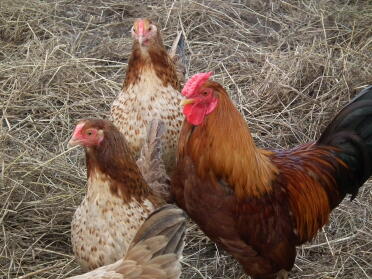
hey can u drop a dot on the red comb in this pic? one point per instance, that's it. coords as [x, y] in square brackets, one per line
[194, 82]
[78, 129]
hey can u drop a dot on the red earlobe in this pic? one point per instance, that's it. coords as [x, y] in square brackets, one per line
[212, 106]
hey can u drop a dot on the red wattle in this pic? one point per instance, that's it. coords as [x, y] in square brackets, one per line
[195, 113]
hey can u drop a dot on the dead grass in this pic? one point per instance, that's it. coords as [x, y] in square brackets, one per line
[289, 65]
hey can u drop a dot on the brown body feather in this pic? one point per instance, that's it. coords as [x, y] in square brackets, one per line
[307, 174]
[257, 204]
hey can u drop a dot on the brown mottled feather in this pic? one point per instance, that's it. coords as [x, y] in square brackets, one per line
[155, 251]
[157, 59]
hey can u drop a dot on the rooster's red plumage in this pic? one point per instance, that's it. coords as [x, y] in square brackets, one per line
[260, 204]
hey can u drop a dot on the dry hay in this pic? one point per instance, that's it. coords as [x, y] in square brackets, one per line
[289, 65]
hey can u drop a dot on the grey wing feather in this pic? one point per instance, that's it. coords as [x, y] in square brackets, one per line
[177, 53]
[150, 161]
[168, 220]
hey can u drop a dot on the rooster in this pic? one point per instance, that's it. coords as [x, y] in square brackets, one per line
[155, 251]
[151, 90]
[118, 199]
[259, 204]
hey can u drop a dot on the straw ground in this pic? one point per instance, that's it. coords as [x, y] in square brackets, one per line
[289, 66]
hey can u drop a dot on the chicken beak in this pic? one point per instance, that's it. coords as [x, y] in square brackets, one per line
[73, 142]
[185, 102]
[140, 39]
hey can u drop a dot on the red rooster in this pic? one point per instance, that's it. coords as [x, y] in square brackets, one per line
[260, 204]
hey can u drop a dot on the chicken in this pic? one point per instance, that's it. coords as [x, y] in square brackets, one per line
[117, 201]
[155, 251]
[259, 204]
[151, 90]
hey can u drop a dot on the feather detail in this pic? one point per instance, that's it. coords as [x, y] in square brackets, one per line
[306, 174]
[154, 253]
[218, 146]
[177, 53]
[150, 161]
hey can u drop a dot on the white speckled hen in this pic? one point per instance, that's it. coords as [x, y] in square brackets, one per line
[118, 199]
[151, 90]
[155, 251]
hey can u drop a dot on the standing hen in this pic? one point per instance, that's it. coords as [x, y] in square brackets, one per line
[260, 204]
[118, 200]
[155, 251]
[150, 91]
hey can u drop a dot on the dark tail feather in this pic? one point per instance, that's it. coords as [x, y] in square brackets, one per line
[363, 95]
[178, 47]
[177, 53]
[168, 221]
[150, 161]
[350, 133]
[180, 50]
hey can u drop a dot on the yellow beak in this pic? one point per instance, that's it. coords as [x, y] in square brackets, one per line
[187, 101]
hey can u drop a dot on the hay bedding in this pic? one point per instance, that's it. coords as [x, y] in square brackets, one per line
[289, 65]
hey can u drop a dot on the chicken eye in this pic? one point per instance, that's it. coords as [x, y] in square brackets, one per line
[89, 133]
[204, 93]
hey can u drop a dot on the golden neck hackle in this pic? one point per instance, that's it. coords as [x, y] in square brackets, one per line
[224, 144]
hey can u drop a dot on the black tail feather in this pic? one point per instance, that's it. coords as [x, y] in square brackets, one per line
[351, 134]
[363, 95]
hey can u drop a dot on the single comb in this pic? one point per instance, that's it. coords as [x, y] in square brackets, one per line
[194, 82]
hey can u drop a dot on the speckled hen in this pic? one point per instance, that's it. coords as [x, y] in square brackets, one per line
[155, 251]
[151, 90]
[118, 200]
